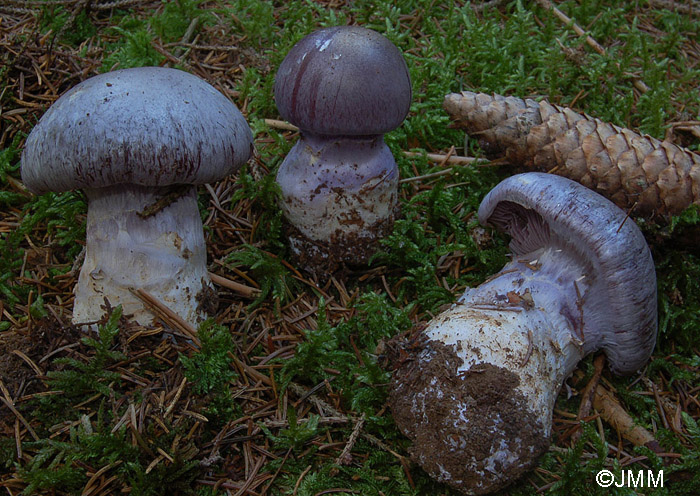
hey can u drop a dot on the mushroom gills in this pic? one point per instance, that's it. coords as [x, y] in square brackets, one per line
[475, 390]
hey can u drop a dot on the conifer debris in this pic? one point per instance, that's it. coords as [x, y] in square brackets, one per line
[642, 175]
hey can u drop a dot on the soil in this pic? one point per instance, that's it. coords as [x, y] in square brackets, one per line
[14, 370]
[322, 258]
[471, 430]
[207, 299]
[34, 342]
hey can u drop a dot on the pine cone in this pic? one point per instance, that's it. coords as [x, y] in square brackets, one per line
[642, 175]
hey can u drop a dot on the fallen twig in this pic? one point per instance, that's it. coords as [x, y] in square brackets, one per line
[345, 458]
[638, 83]
[239, 288]
[614, 414]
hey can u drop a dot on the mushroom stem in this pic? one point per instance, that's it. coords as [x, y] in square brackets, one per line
[537, 304]
[508, 345]
[148, 238]
[478, 397]
[340, 195]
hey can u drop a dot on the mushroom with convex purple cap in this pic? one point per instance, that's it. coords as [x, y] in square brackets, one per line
[475, 390]
[135, 141]
[344, 87]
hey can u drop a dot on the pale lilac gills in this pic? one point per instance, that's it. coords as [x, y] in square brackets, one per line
[477, 393]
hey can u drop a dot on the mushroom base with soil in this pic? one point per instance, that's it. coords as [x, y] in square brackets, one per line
[339, 197]
[143, 238]
[477, 392]
[322, 258]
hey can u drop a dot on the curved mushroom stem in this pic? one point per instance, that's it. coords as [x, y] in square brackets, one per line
[478, 398]
[143, 238]
[339, 195]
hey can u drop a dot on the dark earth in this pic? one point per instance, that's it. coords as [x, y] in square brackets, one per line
[322, 258]
[427, 396]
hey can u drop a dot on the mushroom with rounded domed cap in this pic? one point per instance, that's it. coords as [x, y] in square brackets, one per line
[344, 87]
[136, 140]
[477, 393]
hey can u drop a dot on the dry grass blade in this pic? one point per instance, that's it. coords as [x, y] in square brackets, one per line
[283, 125]
[20, 417]
[690, 7]
[448, 159]
[569, 22]
[171, 319]
[225, 423]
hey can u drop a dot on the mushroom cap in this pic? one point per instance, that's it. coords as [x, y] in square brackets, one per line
[150, 126]
[344, 80]
[540, 210]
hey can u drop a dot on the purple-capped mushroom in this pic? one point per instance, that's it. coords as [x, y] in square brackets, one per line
[344, 87]
[477, 389]
[136, 141]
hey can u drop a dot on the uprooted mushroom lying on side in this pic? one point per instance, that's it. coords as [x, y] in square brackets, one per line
[475, 390]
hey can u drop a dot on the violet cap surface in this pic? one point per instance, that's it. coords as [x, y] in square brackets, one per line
[344, 80]
[148, 126]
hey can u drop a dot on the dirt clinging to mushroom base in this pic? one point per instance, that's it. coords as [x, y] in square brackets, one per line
[322, 258]
[471, 430]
